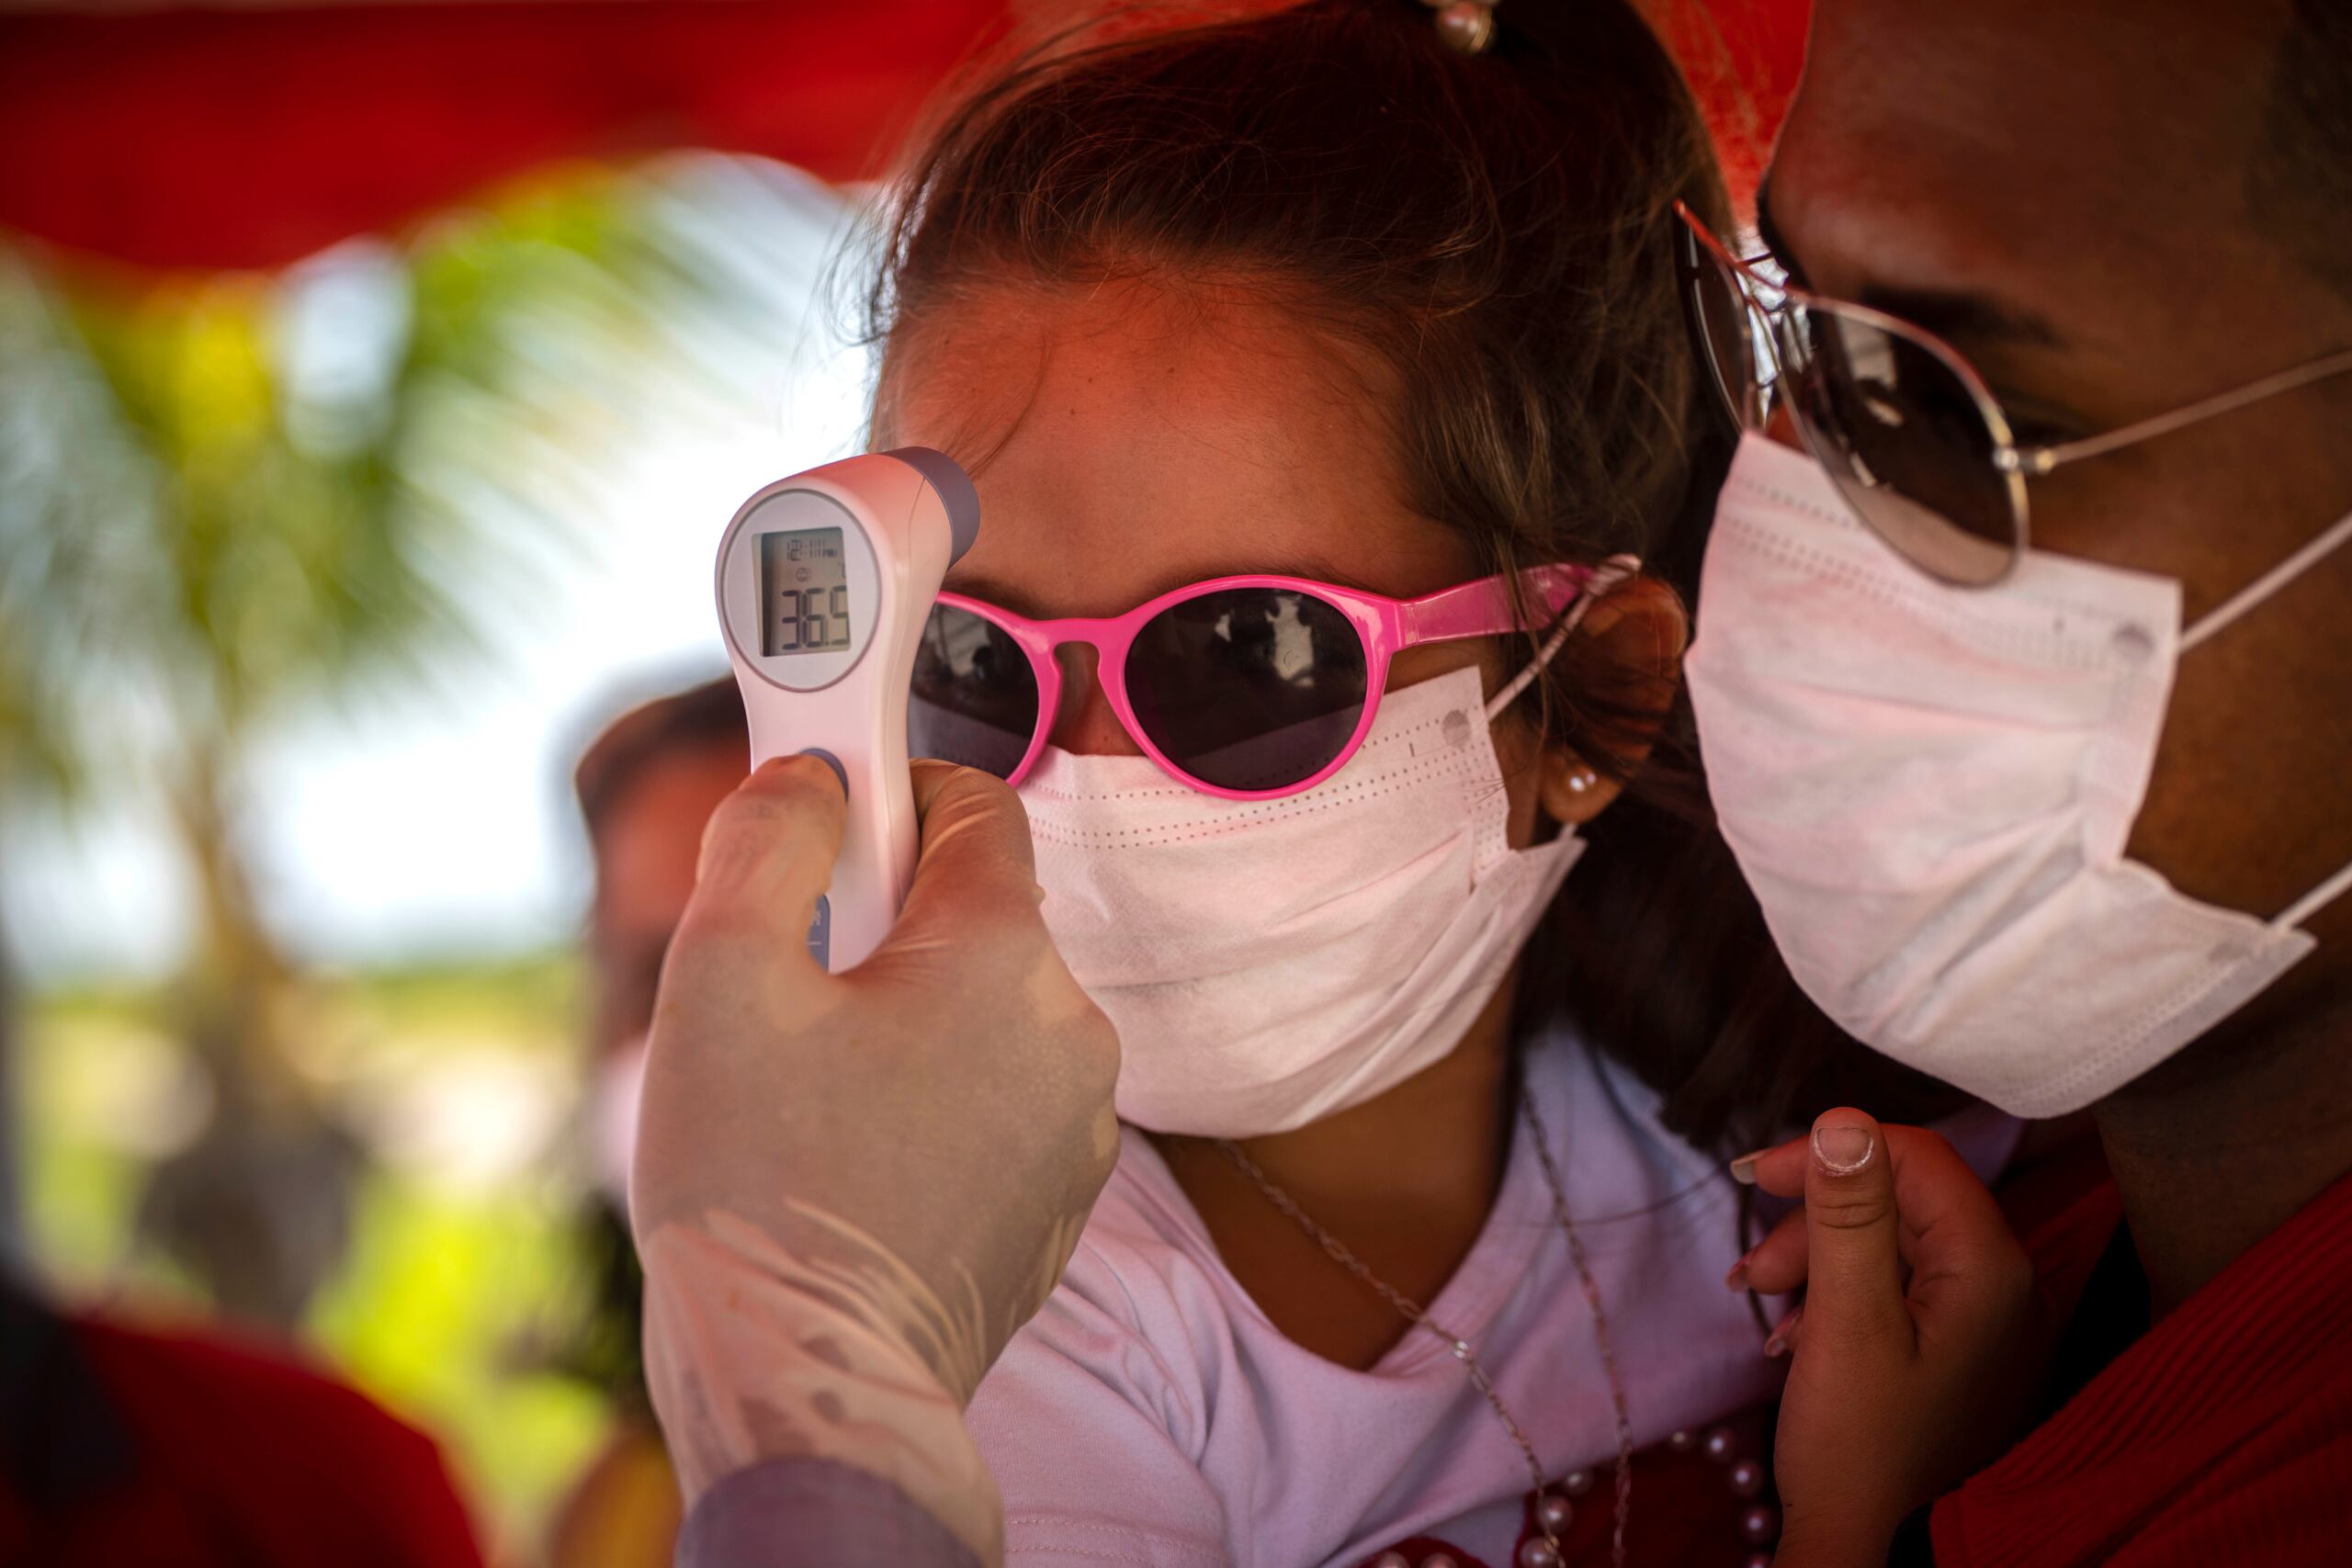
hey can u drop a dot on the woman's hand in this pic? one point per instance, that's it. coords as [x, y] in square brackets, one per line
[850, 1190]
[1918, 1342]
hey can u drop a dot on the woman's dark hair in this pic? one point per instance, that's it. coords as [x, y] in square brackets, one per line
[1498, 232]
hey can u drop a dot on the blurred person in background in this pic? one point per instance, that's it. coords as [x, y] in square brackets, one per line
[646, 785]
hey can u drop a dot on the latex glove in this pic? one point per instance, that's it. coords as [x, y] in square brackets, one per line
[849, 1190]
[1917, 1345]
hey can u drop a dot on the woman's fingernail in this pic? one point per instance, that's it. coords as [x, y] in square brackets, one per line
[1781, 1341]
[1737, 1279]
[1843, 1150]
[1743, 1169]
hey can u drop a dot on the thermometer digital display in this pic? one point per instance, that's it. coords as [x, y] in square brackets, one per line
[805, 590]
[825, 581]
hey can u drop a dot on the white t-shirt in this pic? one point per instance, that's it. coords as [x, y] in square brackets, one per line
[1151, 1415]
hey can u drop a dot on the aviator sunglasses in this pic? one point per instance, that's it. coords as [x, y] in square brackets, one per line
[1244, 687]
[1921, 449]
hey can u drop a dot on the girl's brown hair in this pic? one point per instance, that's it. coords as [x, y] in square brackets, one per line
[1498, 230]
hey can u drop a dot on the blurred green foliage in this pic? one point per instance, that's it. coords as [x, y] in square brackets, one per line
[227, 502]
[230, 494]
[225, 498]
[453, 1302]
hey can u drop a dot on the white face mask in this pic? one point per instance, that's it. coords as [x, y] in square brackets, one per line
[1271, 962]
[1930, 789]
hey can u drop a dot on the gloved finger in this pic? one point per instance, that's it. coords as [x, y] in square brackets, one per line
[1853, 1261]
[768, 850]
[1776, 1265]
[975, 874]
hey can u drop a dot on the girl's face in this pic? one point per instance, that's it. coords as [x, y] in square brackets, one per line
[1126, 441]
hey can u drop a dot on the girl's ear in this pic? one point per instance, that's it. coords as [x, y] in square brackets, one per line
[1638, 632]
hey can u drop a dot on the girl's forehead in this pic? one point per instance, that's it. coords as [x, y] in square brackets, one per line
[1125, 437]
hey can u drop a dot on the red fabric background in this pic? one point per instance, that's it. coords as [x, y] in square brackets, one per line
[243, 1459]
[2223, 1436]
[250, 137]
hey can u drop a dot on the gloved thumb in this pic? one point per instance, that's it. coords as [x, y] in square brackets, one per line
[1854, 1262]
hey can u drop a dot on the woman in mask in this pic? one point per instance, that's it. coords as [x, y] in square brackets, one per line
[1325, 383]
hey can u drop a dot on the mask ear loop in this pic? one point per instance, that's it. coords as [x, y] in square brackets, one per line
[2269, 583]
[2230, 611]
[1605, 580]
[2318, 898]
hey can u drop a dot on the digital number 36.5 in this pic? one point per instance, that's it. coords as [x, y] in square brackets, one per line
[812, 618]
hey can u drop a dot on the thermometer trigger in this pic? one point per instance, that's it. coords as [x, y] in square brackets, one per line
[821, 932]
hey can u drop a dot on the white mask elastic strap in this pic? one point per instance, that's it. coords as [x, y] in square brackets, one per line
[1605, 581]
[2318, 898]
[2254, 593]
[2269, 583]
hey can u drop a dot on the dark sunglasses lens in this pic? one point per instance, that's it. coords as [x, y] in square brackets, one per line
[1723, 325]
[1906, 441]
[973, 698]
[1249, 688]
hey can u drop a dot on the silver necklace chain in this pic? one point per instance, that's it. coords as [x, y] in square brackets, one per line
[1624, 1477]
[1413, 1313]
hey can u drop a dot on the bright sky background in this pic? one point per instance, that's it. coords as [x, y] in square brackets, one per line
[438, 823]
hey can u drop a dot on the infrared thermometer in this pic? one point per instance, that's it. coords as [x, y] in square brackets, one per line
[825, 581]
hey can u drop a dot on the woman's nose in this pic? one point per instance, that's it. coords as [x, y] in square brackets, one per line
[1085, 723]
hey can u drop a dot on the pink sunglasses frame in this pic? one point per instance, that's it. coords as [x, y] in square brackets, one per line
[1386, 626]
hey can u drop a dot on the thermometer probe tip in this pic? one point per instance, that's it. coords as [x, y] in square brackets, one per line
[953, 487]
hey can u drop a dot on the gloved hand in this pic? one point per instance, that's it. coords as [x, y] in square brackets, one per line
[850, 1190]
[1919, 1342]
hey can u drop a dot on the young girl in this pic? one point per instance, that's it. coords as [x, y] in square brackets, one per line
[1325, 383]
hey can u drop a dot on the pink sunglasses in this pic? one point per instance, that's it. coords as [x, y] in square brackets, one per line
[1245, 687]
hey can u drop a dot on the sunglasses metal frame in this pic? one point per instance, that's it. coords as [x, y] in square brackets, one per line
[2015, 462]
[1384, 625]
